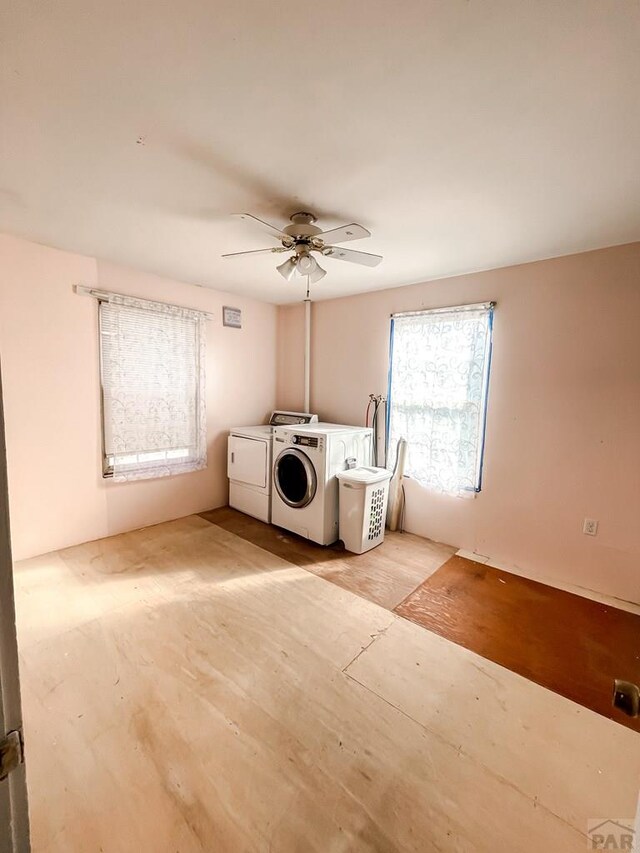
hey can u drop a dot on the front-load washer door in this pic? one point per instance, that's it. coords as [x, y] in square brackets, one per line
[295, 478]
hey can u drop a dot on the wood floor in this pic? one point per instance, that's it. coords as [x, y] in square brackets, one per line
[385, 575]
[186, 690]
[562, 641]
[565, 642]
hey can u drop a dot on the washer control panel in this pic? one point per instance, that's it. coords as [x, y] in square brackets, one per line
[305, 440]
[291, 438]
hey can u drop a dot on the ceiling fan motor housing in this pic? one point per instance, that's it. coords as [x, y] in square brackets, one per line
[302, 227]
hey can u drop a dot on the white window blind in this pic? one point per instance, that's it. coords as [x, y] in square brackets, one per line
[152, 361]
[439, 374]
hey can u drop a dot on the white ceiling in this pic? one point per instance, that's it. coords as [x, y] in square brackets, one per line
[464, 134]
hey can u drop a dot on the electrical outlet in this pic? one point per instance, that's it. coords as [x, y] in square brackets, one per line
[626, 696]
[590, 526]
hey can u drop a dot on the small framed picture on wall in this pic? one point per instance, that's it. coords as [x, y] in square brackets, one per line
[232, 317]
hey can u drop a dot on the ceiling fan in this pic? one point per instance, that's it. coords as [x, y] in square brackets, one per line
[302, 238]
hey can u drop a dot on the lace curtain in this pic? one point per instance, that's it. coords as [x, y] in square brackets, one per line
[438, 392]
[153, 387]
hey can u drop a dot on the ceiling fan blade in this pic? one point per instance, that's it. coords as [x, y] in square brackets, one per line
[264, 226]
[346, 232]
[340, 254]
[257, 252]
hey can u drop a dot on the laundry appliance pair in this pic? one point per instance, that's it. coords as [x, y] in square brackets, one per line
[301, 495]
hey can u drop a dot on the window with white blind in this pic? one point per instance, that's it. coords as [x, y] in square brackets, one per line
[153, 388]
[438, 385]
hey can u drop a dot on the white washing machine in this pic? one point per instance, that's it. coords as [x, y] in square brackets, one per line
[306, 461]
[249, 463]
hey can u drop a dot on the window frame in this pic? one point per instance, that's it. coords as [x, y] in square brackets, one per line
[107, 463]
[490, 307]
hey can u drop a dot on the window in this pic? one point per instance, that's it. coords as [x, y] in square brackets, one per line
[153, 406]
[438, 382]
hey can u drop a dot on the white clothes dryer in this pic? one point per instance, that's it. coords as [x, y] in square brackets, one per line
[306, 460]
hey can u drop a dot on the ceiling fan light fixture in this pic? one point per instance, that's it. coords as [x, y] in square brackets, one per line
[306, 264]
[287, 269]
[317, 274]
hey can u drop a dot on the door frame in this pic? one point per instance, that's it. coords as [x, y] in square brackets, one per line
[14, 811]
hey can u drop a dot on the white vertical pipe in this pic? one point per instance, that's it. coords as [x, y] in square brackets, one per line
[381, 434]
[307, 354]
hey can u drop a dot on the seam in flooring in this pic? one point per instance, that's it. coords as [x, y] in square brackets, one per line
[457, 747]
[564, 642]
[567, 643]
[460, 751]
[374, 638]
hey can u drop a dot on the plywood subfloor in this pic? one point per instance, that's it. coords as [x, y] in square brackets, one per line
[567, 643]
[185, 690]
[386, 575]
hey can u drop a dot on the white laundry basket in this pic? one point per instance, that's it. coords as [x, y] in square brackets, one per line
[363, 507]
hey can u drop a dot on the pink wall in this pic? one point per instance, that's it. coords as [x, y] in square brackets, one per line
[49, 355]
[563, 431]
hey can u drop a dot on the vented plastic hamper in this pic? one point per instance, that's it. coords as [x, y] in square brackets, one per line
[363, 507]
